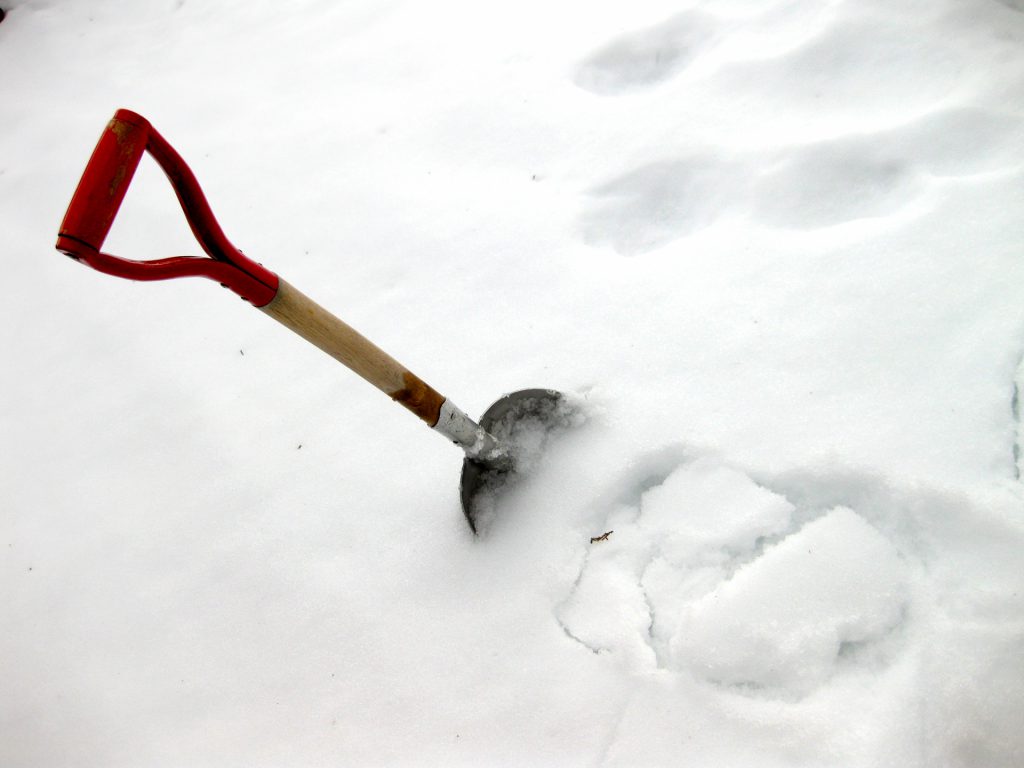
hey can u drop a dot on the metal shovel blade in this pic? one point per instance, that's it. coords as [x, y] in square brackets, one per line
[520, 422]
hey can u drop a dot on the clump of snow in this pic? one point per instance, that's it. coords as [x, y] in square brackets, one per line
[704, 507]
[785, 620]
[529, 425]
[523, 424]
[676, 544]
[714, 574]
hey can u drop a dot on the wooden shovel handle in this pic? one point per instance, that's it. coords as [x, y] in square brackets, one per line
[341, 341]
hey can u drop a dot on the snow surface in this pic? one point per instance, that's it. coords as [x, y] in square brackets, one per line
[775, 247]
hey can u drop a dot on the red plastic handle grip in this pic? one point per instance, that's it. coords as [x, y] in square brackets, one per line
[101, 190]
[105, 180]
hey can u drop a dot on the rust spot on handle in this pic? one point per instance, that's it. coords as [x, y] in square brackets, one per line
[123, 133]
[420, 398]
[120, 129]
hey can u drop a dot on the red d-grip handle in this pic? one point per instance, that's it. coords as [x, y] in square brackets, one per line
[99, 195]
[105, 180]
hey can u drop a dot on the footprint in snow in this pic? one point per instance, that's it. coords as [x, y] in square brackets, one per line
[647, 56]
[805, 187]
[1013, 5]
[831, 183]
[800, 187]
[660, 202]
[880, 174]
[710, 573]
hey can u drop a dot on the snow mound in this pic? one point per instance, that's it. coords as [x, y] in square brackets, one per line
[712, 573]
[788, 619]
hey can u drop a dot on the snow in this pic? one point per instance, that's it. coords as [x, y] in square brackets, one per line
[772, 249]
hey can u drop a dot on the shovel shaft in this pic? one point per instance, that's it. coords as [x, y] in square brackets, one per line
[301, 314]
[345, 344]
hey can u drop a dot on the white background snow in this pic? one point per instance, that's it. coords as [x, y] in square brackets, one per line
[777, 248]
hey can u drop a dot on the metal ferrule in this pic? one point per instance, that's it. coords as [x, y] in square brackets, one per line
[478, 444]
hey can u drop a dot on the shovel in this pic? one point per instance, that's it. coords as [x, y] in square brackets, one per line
[492, 454]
